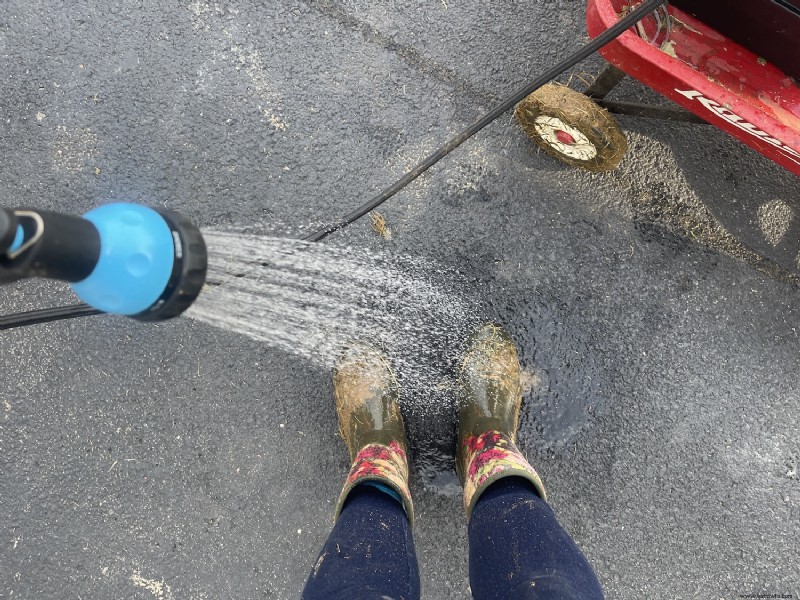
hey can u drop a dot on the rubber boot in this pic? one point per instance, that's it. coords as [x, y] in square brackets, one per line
[366, 392]
[490, 399]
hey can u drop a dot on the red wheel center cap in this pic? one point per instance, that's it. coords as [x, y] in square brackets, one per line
[565, 138]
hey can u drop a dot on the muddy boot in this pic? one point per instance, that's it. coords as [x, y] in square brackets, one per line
[366, 391]
[490, 397]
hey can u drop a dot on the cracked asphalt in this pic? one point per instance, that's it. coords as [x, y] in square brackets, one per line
[178, 461]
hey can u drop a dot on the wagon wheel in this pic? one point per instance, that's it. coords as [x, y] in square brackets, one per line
[572, 128]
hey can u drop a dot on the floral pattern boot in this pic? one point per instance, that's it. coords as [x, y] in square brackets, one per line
[366, 392]
[490, 400]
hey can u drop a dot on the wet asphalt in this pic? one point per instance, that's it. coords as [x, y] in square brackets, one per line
[177, 461]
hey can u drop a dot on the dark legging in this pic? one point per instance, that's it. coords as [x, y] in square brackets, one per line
[517, 550]
[369, 554]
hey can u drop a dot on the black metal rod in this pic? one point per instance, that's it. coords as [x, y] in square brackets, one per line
[607, 80]
[665, 113]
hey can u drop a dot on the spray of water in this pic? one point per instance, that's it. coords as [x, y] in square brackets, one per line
[313, 300]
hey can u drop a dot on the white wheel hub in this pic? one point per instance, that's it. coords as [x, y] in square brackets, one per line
[564, 139]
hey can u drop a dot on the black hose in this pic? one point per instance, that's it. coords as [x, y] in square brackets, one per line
[601, 40]
[81, 310]
[45, 315]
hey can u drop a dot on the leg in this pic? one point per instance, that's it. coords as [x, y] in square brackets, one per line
[369, 554]
[517, 549]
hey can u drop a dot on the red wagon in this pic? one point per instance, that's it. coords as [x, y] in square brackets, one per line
[750, 92]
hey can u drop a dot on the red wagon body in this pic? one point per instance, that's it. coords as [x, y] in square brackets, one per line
[710, 75]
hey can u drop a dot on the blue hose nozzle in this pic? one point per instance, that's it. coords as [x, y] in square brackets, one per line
[120, 258]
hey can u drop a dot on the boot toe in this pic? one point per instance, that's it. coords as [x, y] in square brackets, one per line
[366, 393]
[489, 388]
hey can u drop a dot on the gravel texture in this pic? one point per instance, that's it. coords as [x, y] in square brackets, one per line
[177, 461]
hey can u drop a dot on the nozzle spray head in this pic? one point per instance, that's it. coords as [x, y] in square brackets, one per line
[120, 258]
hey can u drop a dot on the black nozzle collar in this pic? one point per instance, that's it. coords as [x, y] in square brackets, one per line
[188, 271]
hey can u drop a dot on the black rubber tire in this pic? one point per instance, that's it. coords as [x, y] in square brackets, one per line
[538, 114]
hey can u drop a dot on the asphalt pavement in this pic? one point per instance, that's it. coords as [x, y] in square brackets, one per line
[177, 461]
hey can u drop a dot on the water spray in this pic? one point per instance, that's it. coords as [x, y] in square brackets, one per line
[121, 258]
